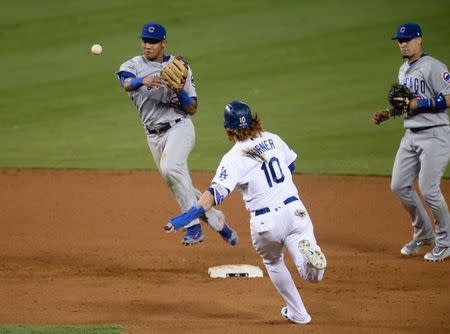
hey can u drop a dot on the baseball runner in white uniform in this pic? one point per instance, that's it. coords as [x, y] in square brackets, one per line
[259, 166]
[165, 116]
[424, 150]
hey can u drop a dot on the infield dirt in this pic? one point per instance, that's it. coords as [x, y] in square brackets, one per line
[87, 247]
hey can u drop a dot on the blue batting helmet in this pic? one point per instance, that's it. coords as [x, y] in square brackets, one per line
[237, 115]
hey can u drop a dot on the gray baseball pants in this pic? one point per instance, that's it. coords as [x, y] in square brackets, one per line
[424, 155]
[171, 151]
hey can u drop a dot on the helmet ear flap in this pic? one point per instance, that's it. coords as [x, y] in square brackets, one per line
[237, 115]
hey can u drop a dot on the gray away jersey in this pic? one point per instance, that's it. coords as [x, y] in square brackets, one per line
[426, 77]
[155, 105]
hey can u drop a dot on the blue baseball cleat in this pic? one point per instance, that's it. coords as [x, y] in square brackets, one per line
[194, 235]
[229, 235]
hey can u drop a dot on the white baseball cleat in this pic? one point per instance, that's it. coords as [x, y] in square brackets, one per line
[284, 314]
[313, 253]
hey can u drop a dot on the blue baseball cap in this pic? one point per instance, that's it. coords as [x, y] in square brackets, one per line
[153, 31]
[408, 30]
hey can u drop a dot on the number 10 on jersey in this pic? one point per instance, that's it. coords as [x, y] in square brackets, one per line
[272, 171]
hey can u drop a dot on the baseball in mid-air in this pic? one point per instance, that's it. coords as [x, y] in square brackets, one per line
[96, 49]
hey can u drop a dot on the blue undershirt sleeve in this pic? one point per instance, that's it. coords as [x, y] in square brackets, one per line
[122, 75]
[292, 167]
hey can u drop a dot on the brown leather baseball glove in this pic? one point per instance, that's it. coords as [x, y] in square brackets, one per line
[175, 73]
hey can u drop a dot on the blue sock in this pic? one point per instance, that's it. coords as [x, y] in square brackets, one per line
[226, 234]
[194, 229]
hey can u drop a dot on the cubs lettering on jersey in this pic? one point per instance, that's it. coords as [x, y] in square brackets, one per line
[415, 85]
[425, 78]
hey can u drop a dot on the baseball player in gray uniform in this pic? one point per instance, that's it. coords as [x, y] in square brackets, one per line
[165, 116]
[260, 166]
[424, 150]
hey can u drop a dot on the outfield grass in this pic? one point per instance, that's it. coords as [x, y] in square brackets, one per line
[26, 329]
[315, 71]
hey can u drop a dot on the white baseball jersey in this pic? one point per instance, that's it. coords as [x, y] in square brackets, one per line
[426, 77]
[259, 169]
[262, 184]
[155, 105]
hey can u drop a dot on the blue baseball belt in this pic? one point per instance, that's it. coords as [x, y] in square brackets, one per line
[286, 202]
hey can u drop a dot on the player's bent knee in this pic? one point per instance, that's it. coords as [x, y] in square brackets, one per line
[397, 188]
[401, 190]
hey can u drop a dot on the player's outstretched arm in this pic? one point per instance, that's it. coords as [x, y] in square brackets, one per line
[130, 84]
[204, 203]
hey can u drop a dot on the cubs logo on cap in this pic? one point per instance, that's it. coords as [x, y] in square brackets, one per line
[408, 30]
[153, 31]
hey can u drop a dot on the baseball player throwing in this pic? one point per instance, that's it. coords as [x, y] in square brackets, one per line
[162, 89]
[424, 150]
[259, 165]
